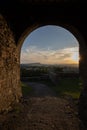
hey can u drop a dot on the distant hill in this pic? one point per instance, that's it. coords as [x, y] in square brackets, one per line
[39, 64]
[31, 64]
[34, 64]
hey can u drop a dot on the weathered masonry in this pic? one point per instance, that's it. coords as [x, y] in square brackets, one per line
[17, 20]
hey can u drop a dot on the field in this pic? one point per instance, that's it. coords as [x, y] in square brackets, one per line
[66, 87]
[69, 86]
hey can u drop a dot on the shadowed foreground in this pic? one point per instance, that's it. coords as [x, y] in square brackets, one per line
[42, 113]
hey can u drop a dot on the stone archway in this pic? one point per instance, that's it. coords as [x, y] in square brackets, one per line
[70, 28]
[82, 62]
[10, 90]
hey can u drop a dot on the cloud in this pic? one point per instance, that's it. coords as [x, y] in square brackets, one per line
[48, 56]
[64, 56]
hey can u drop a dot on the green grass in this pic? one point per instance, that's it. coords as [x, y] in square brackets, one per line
[66, 86]
[69, 86]
[26, 89]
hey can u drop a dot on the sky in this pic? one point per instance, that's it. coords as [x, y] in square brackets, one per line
[50, 45]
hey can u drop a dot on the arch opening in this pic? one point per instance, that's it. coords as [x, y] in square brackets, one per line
[43, 50]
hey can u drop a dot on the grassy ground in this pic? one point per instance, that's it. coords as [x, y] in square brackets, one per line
[66, 87]
[69, 86]
[25, 89]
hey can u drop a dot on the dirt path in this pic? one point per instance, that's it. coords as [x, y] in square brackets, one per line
[42, 111]
[40, 90]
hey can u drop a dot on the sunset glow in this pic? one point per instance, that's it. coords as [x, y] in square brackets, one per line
[75, 57]
[62, 56]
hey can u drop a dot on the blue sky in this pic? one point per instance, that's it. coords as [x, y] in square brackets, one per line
[50, 45]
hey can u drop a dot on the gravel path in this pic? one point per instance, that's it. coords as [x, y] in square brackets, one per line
[40, 90]
[42, 110]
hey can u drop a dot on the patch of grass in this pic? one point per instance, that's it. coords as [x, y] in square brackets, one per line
[69, 86]
[26, 89]
[66, 87]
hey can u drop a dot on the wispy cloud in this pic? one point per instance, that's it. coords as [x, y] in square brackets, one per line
[49, 56]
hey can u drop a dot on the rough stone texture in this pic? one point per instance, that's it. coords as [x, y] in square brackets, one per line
[10, 91]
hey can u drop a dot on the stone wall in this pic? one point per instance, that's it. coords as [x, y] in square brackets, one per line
[10, 90]
[83, 96]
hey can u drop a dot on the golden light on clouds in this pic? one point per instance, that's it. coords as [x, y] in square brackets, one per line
[62, 56]
[75, 57]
